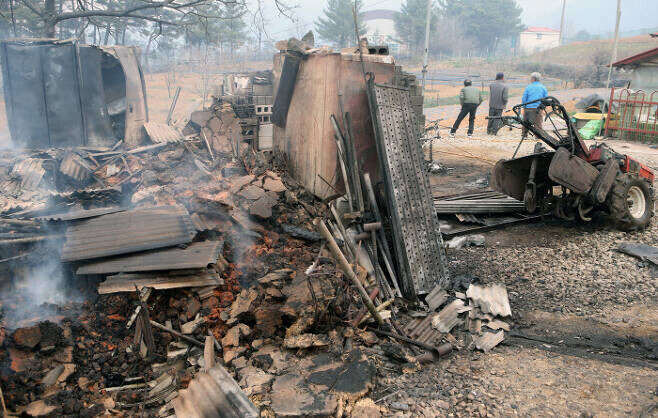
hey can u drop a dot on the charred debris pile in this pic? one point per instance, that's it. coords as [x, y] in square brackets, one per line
[195, 273]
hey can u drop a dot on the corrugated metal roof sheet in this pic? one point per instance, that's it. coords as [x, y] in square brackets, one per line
[11, 187]
[446, 320]
[420, 329]
[128, 232]
[488, 340]
[80, 214]
[159, 281]
[31, 172]
[160, 132]
[490, 299]
[74, 166]
[196, 255]
[436, 298]
[214, 393]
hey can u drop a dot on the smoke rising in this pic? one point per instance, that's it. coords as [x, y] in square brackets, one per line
[39, 291]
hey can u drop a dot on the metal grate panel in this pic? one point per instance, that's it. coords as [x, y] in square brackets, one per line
[417, 236]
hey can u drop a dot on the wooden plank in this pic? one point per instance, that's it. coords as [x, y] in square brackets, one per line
[308, 138]
[128, 282]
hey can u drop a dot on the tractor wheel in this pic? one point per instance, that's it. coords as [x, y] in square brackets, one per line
[631, 202]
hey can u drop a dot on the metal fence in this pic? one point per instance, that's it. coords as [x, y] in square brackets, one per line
[636, 116]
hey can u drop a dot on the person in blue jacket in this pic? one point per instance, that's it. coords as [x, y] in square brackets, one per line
[533, 91]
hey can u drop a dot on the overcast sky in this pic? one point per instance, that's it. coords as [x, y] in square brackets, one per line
[595, 16]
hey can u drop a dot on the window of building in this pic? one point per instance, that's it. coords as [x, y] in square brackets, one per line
[539, 35]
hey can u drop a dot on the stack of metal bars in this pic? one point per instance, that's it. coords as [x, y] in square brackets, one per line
[480, 202]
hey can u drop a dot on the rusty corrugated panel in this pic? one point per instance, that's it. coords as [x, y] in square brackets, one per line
[161, 132]
[448, 317]
[75, 167]
[214, 393]
[490, 298]
[31, 171]
[128, 232]
[80, 214]
[420, 329]
[196, 255]
[137, 108]
[11, 187]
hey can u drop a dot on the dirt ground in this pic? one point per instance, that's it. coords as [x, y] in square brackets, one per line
[584, 340]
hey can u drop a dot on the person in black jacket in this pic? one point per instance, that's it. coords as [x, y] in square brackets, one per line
[497, 103]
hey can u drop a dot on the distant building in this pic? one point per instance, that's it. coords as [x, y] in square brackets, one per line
[643, 68]
[381, 29]
[535, 39]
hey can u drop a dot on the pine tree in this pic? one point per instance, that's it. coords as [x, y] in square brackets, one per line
[234, 30]
[410, 23]
[486, 21]
[337, 25]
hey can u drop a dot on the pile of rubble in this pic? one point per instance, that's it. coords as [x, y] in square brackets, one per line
[475, 317]
[194, 274]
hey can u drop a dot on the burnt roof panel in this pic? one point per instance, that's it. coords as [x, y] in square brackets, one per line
[128, 232]
[196, 255]
[80, 214]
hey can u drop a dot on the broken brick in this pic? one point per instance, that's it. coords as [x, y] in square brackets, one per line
[273, 185]
[28, 337]
[252, 192]
[211, 303]
[193, 307]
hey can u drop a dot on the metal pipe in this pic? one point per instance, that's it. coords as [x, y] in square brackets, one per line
[441, 350]
[177, 334]
[373, 226]
[428, 18]
[347, 269]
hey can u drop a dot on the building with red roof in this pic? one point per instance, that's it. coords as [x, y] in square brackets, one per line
[537, 38]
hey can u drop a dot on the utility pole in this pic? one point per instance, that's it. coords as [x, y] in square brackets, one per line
[427, 42]
[613, 57]
[564, 7]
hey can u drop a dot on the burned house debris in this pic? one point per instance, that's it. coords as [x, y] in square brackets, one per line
[212, 256]
[265, 256]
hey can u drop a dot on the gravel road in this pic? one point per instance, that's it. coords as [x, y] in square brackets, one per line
[592, 311]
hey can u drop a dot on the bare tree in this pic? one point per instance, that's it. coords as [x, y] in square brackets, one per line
[51, 16]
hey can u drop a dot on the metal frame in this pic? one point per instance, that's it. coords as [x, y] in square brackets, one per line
[417, 237]
[625, 125]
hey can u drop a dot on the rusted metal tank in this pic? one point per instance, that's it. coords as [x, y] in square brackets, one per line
[323, 80]
[65, 94]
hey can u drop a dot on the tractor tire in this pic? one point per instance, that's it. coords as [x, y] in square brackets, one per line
[631, 202]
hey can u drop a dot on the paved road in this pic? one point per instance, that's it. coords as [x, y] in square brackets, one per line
[451, 111]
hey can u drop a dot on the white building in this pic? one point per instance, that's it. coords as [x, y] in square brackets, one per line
[380, 29]
[535, 39]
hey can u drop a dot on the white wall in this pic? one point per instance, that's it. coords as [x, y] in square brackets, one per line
[531, 42]
[645, 77]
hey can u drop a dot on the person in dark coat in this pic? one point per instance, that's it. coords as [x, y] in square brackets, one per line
[497, 103]
[470, 98]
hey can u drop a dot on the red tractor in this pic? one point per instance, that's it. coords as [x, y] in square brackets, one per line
[572, 180]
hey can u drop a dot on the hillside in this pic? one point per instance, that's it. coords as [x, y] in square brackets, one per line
[572, 53]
